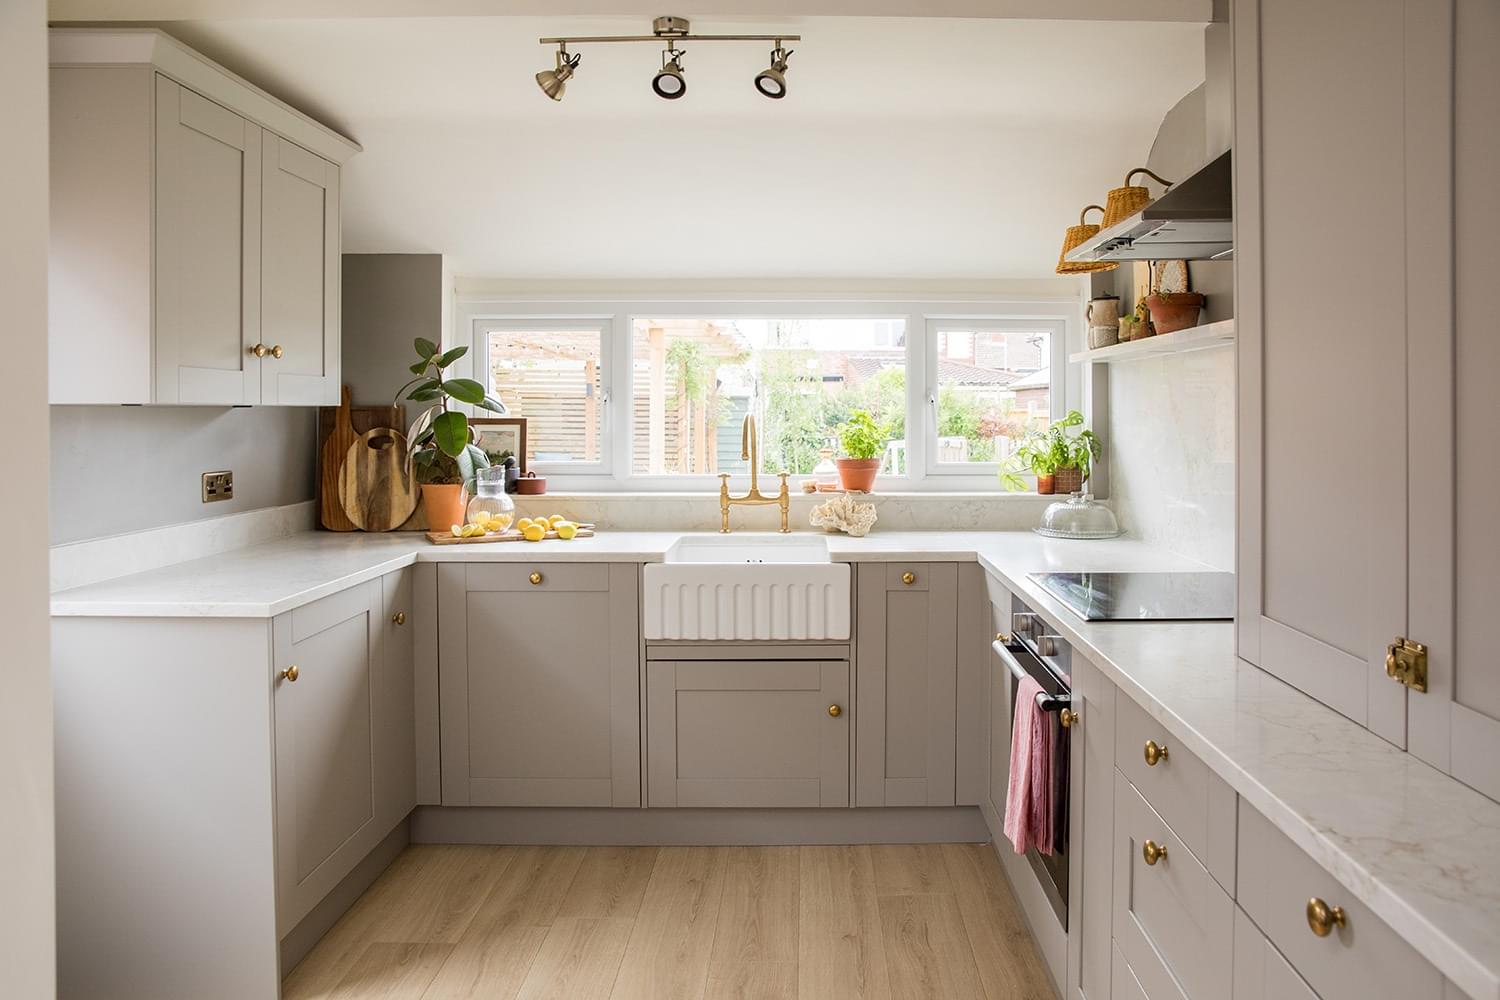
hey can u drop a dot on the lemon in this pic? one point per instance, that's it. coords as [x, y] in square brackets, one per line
[458, 531]
[555, 520]
[524, 523]
[566, 530]
[534, 532]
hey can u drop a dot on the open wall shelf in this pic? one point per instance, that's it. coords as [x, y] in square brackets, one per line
[1197, 338]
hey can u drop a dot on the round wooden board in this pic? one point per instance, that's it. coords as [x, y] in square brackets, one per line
[376, 487]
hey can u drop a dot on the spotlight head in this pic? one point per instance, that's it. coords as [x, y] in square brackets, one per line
[669, 83]
[554, 81]
[772, 82]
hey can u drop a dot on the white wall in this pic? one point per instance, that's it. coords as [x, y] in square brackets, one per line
[27, 915]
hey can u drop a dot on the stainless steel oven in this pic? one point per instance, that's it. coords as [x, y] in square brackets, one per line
[1032, 651]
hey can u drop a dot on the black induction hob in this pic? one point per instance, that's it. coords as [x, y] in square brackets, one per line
[1107, 597]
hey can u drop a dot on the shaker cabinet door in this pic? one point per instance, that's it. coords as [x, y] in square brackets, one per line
[1455, 584]
[1091, 808]
[299, 280]
[207, 211]
[906, 664]
[329, 705]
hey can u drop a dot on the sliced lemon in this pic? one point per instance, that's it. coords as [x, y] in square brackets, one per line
[534, 532]
[566, 530]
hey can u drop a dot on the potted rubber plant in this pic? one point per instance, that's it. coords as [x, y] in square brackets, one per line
[1060, 457]
[440, 444]
[862, 440]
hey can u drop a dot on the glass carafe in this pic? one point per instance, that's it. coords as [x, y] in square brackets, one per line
[490, 501]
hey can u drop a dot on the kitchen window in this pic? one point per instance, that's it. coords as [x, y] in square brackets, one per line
[651, 396]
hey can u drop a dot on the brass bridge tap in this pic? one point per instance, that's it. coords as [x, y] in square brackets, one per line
[750, 450]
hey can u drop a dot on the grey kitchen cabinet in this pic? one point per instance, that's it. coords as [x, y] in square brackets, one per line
[906, 668]
[1091, 810]
[342, 711]
[1408, 550]
[195, 256]
[748, 733]
[1260, 971]
[539, 678]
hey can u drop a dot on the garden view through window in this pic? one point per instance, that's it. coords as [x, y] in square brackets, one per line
[692, 380]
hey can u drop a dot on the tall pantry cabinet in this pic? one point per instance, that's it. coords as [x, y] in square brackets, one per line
[1364, 214]
[195, 231]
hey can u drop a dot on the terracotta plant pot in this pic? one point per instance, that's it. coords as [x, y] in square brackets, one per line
[858, 474]
[1173, 311]
[1067, 481]
[1046, 485]
[444, 504]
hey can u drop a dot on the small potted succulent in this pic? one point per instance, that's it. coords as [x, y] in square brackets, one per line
[862, 441]
[1061, 461]
[440, 444]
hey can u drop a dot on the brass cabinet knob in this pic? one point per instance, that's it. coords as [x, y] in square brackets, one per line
[290, 674]
[260, 350]
[1153, 852]
[535, 578]
[908, 578]
[835, 711]
[1155, 753]
[1322, 918]
[399, 618]
[1068, 718]
[277, 352]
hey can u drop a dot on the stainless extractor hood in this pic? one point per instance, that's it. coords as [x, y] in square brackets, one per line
[1192, 221]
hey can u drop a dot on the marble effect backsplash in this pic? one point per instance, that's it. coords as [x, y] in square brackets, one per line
[700, 512]
[1171, 441]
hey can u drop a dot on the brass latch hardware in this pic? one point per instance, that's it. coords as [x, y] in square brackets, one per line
[1406, 661]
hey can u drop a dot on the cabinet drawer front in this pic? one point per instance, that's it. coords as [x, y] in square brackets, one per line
[1260, 972]
[1364, 958]
[896, 575]
[1124, 985]
[553, 576]
[1171, 919]
[1197, 803]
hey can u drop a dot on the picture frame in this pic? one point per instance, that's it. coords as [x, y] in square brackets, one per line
[499, 436]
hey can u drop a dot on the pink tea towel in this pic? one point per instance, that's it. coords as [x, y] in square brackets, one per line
[1028, 798]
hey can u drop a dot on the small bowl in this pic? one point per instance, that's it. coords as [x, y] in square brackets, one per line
[531, 485]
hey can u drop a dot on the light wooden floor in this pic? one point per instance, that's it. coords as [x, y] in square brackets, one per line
[646, 923]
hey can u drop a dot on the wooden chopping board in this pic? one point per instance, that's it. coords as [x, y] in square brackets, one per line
[448, 538]
[376, 488]
[331, 458]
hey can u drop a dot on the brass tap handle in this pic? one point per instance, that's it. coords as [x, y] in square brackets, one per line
[1153, 852]
[785, 502]
[1155, 753]
[260, 350]
[1322, 918]
[399, 618]
[835, 711]
[1068, 718]
[290, 674]
[277, 352]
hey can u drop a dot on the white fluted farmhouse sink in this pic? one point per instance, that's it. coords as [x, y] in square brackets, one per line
[713, 587]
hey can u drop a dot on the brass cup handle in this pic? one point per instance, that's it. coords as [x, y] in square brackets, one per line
[835, 711]
[277, 352]
[290, 674]
[1322, 918]
[908, 578]
[260, 350]
[1153, 852]
[1068, 718]
[535, 578]
[399, 618]
[1155, 753]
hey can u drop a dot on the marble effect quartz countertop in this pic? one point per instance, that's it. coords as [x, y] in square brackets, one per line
[1417, 847]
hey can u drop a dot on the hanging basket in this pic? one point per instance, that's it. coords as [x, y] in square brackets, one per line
[1125, 201]
[1076, 237]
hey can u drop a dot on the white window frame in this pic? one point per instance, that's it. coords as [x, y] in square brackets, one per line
[1057, 361]
[475, 317]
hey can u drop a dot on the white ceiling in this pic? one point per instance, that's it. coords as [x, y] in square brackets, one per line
[928, 148]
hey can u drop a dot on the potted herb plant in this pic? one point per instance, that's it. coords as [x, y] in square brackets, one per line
[1173, 311]
[1060, 460]
[441, 444]
[862, 441]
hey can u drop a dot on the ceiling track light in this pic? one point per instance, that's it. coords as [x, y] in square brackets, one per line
[669, 82]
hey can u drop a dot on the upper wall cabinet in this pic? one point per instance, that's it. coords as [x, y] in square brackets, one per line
[1366, 357]
[195, 231]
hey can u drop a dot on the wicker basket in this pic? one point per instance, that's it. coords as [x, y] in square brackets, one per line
[1076, 237]
[1125, 201]
[1067, 481]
